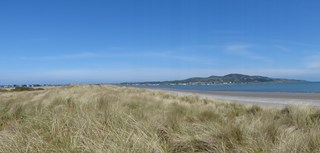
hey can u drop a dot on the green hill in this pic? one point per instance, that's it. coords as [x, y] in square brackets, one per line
[227, 79]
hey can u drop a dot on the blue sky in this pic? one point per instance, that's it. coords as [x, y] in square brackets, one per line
[97, 41]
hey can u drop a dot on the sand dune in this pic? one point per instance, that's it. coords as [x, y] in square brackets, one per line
[259, 98]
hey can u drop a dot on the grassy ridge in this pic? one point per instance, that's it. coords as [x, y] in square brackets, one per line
[101, 118]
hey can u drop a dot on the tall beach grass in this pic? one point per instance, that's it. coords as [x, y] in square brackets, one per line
[104, 118]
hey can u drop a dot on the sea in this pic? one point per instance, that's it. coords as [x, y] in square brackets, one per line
[297, 87]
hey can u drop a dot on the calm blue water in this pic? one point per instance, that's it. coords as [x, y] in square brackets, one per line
[301, 87]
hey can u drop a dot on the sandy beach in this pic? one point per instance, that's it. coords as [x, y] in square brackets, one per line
[258, 98]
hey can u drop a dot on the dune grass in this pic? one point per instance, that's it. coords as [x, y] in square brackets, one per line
[103, 118]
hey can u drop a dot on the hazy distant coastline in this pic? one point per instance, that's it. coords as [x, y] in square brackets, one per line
[212, 80]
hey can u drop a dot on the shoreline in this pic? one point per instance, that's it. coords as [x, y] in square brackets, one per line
[257, 98]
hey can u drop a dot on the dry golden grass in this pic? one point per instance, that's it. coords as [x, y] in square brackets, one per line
[102, 118]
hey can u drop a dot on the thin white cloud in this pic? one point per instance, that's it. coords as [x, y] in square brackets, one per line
[313, 61]
[314, 64]
[227, 32]
[238, 48]
[83, 55]
[163, 55]
[62, 57]
[39, 39]
[283, 48]
[183, 58]
[244, 50]
[123, 73]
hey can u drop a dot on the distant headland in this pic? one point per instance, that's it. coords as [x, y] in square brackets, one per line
[211, 80]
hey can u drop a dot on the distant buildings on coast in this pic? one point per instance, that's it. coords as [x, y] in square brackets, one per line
[28, 85]
[180, 84]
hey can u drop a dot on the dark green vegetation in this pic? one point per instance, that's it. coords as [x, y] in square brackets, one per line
[227, 79]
